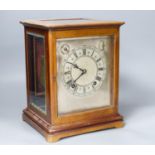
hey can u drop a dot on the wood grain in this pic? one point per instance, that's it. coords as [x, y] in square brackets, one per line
[52, 134]
[52, 125]
[72, 23]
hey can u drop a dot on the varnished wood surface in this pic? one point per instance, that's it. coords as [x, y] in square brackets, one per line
[51, 128]
[69, 23]
[52, 125]
[53, 135]
[93, 113]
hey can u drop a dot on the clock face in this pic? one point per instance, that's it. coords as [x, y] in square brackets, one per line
[84, 73]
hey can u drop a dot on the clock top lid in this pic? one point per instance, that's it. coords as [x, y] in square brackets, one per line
[68, 23]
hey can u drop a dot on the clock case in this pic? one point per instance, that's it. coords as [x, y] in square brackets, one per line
[51, 125]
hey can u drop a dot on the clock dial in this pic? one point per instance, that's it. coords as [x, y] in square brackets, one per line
[84, 71]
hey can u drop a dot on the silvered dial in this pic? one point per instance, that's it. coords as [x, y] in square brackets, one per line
[84, 71]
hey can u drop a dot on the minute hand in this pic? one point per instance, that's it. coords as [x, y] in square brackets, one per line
[76, 66]
[79, 77]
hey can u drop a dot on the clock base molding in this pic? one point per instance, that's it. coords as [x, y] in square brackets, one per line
[51, 135]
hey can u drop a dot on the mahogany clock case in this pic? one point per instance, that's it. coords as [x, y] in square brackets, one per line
[42, 82]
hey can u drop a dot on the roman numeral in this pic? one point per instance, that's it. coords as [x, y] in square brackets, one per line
[69, 72]
[98, 78]
[98, 60]
[92, 52]
[75, 55]
[84, 90]
[69, 82]
[100, 69]
[84, 51]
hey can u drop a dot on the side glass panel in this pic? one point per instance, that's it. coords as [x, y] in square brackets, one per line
[36, 65]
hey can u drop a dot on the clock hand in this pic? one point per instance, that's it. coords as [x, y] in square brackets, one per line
[83, 72]
[78, 77]
[76, 66]
[73, 85]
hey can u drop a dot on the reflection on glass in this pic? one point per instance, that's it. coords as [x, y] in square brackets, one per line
[36, 59]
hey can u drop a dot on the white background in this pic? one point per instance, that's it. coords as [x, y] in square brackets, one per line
[137, 76]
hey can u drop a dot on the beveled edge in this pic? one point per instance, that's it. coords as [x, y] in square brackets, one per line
[55, 136]
[89, 23]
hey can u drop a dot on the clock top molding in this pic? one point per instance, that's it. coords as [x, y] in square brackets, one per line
[69, 23]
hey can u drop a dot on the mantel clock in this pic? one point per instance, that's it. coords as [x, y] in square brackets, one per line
[72, 68]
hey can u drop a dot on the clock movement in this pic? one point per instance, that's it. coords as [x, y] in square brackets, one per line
[72, 69]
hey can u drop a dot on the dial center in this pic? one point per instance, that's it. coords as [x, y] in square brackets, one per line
[89, 70]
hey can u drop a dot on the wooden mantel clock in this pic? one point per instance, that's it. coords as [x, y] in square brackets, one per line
[72, 68]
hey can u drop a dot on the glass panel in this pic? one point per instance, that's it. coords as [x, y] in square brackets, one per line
[36, 59]
[84, 73]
